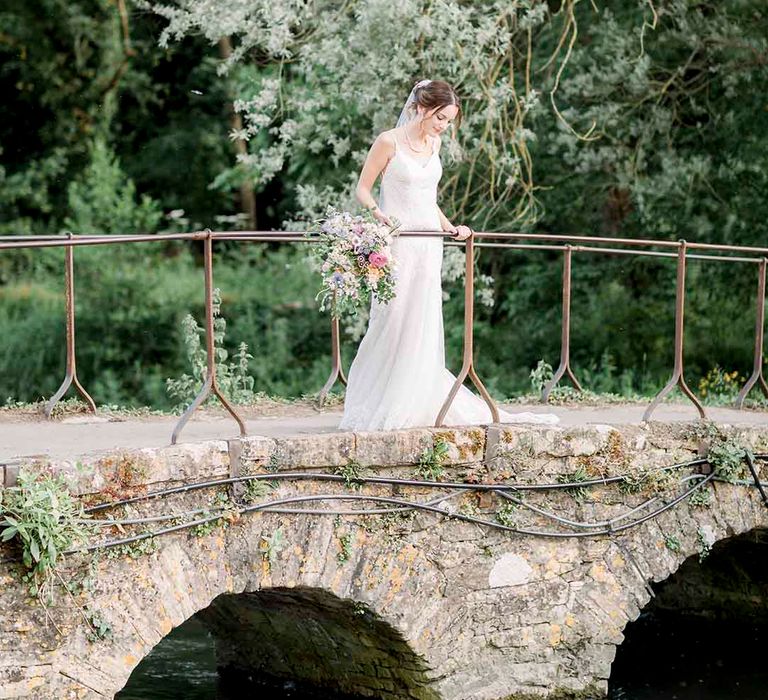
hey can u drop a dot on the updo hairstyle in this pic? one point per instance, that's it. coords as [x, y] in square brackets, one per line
[435, 95]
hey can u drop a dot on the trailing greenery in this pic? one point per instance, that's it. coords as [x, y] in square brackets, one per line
[351, 471]
[701, 498]
[345, 548]
[728, 458]
[579, 474]
[133, 550]
[42, 517]
[431, 460]
[507, 514]
[705, 541]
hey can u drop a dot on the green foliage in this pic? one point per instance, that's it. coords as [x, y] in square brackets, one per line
[220, 504]
[41, 515]
[74, 73]
[580, 474]
[672, 543]
[542, 374]
[99, 628]
[133, 550]
[507, 514]
[257, 490]
[653, 480]
[345, 548]
[431, 460]
[720, 387]
[705, 539]
[351, 471]
[104, 199]
[272, 545]
[232, 377]
[728, 458]
[701, 498]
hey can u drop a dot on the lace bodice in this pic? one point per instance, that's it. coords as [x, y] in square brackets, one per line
[409, 189]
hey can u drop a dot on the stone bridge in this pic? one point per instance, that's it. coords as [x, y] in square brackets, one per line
[473, 591]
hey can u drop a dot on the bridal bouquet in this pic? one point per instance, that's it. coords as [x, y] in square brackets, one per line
[355, 261]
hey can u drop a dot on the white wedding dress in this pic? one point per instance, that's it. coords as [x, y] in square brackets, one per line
[398, 378]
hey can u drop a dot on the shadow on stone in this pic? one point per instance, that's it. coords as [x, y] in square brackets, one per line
[313, 642]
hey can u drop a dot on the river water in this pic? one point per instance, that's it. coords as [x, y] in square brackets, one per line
[662, 658]
[183, 667]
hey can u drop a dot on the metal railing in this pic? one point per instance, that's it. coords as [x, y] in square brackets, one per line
[568, 245]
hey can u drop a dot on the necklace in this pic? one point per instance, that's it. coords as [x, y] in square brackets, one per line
[415, 150]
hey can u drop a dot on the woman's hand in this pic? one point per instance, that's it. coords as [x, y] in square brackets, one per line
[381, 217]
[462, 232]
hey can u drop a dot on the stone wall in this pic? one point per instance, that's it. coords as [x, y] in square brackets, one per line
[484, 613]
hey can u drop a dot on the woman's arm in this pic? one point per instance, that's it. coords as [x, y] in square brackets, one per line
[461, 231]
[378, 156]
[444, 223]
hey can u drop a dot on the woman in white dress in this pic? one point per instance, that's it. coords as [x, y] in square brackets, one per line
[398, 378]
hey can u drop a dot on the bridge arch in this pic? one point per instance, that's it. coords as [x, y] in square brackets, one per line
[309, 638]
[491, 614]
[367, 614]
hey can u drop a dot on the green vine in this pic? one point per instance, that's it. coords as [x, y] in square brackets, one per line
[345, 548]
[728, 458]
[133, 550]
[705, 544]
[352, 472]
[430, 466]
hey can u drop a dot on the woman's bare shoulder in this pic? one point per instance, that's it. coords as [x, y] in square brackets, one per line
[387, 138]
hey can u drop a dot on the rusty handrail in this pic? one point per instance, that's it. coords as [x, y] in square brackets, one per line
[468, 366]
[211, 383]
[70, 376]
[757, 367]
[337, 371]
[678, 379]
[11, 241]
[565, 337]
[568, 244]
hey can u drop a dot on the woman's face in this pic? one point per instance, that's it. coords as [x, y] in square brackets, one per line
[438, 120]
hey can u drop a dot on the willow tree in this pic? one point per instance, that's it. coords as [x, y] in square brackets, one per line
[319, 79]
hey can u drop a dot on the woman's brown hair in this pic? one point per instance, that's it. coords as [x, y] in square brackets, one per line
[438, 94]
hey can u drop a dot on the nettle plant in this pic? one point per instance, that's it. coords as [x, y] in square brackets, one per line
[232, 376]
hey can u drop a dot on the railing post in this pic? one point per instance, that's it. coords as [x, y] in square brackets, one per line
[69, 303]
[468, 367]
[757, 367]
[336, 369]
[565, 340]
[677, 373]
[211, 383]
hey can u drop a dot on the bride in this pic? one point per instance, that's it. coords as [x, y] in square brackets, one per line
[398, 378]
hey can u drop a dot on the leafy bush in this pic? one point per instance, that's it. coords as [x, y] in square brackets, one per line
[42, 516]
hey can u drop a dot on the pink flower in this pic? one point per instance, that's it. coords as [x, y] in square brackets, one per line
[378, 260]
